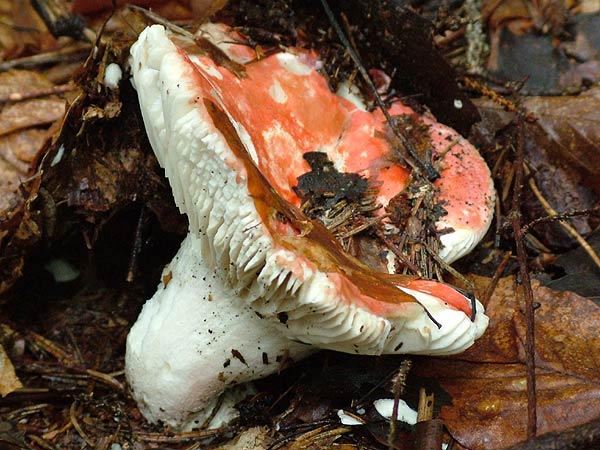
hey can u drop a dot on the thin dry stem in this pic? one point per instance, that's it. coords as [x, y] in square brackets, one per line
[567, 227]
[398, 386]
[426, 402]
[491, 287]
[519, 166]
[73, 416]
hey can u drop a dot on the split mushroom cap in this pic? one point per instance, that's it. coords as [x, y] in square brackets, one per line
[232, 148]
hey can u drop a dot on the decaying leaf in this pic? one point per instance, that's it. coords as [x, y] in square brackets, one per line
[23, 131]
[488, 385]
[550, 45]
[256, 438]
[27, 113]
[8, 379]
[576, 271]
[571, 128]
[562, 145]
[21, 30]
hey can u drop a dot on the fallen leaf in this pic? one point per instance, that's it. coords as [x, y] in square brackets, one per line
[17, 151]
[23, 131]
[488, 383]
[8, 379]
[22, 31]
[561, 149]
[571, 127]
[543, 44]
[30, 113]
[256, 438]
[579, 272]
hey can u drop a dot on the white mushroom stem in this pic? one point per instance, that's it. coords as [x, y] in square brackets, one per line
[194, 338]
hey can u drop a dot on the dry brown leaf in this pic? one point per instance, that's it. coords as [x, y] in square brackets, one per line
[17, 152]
[8, 379]
[571, 131]
[562, 148]
[498, 13]
[30, 113]
[488, 385]
[21, 30]
[256, 438]
[23, 131]
[589, 6]
[526, 12]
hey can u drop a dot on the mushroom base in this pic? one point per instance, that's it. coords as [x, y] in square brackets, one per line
[196, 337]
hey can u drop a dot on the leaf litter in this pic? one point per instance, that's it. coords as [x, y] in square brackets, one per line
[104, 190]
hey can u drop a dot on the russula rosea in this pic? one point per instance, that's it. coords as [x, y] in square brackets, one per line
[232, 148]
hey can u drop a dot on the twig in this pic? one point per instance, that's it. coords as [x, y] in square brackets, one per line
[48, 346]
[137, 246]
[161, 21]
[428, 432]
[73, 54]
[508, 105]
[491, 287]
[398, 386]
[585, 436]
[398, 253]
[62, 22]
[18, 414]
[311, 438]
[163, 438]
[562, 216]
[52, 434]
[77, 426]
[195, 446]
[19, 96]
[41, 442]
[567, 227]
[106, 379]
[448, 268]
[519, 166]
[366, 224]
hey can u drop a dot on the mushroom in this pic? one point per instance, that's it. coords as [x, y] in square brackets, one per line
[257, 284]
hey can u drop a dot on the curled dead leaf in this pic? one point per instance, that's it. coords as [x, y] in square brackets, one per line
[23, 131]
[8, 379]
[258, 438]
[488, 385]
[562, 145]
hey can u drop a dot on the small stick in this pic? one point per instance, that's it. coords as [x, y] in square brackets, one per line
[73, 54]
[105, 379]
[398, 253]
[426, 402]
[585, 436]
[448, 268]
[20, 96]
[41, 442]
[137, 246]
[562, 216]
[398, 386]
[491, 287]
[526, 282]
[162, 438]
[77, 426]
[414, 161]
[428, 431]
[567, 227]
